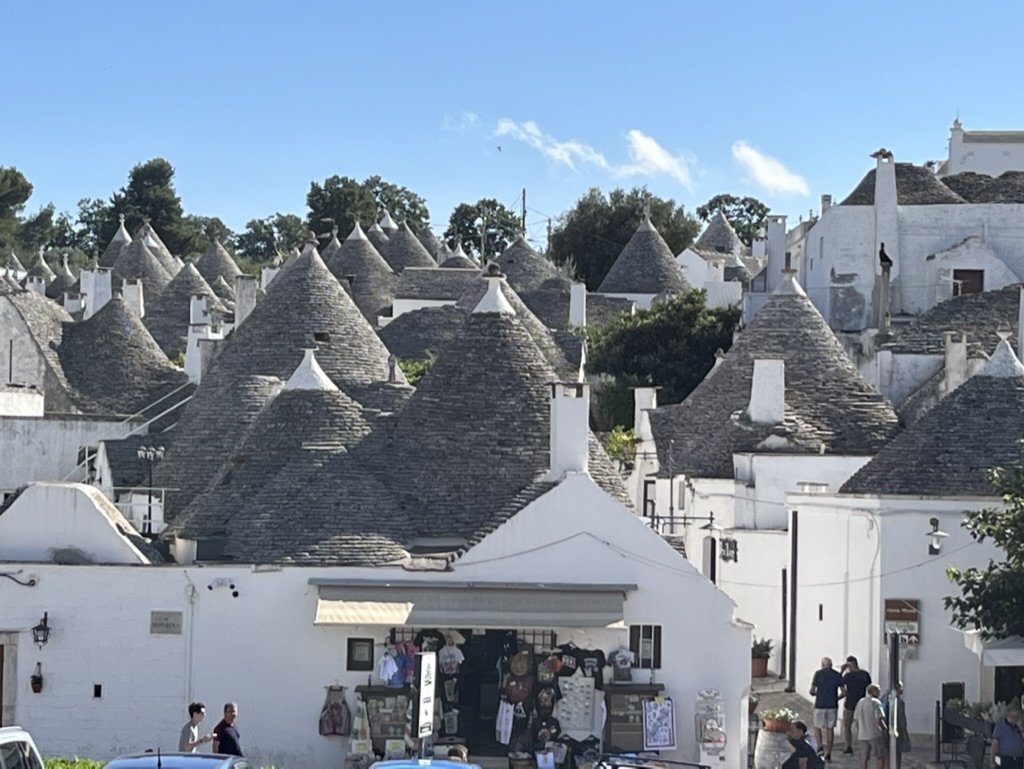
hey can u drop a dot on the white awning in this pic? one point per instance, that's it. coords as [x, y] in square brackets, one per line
[478, 605]
[1005, 651]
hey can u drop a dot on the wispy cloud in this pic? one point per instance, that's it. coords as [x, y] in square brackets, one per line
[647, 157]
[767, 172]
[461, 122]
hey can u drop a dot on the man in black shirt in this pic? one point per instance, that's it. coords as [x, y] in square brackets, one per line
[226, 738]
[803, 755]
[855, 686]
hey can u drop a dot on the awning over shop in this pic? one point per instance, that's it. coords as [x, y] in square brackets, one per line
[1005, 651]
[470, 604]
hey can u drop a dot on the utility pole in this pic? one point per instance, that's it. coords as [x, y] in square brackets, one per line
[549, 236]
[524, 212]
[483, 239]
[894, 701]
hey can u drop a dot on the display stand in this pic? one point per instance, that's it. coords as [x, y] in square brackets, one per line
[624, 728]
[387, 710]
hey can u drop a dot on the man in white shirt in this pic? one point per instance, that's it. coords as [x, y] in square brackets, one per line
[872, 729]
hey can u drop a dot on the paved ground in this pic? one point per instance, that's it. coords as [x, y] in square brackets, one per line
[772, 695]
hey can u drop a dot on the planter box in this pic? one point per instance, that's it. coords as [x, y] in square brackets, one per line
[771, 725]
[975, 725]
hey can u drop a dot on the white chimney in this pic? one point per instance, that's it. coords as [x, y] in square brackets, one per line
[267, 275]
[132, 293]
[1020, 324]
[955, 373]
[826, 203]
[245, 297]
[96, 290]
[37, 284]
[200, 349]
[73, 303]
[577, 305]
[198, 309]
[768, 392]
[776, 250]
[644, 398]
[185, 551]
[570, 428]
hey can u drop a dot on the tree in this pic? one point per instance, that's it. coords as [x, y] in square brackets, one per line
[671, 345]
[746, 215]
[15, 190]
[265, 239]
[468, 220]
[592, 233]
[201, 231]
[345, 201]
[992, 599]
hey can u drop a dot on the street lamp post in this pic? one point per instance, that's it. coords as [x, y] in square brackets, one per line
[150, 455]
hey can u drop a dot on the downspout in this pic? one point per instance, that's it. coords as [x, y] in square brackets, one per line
[794, 536]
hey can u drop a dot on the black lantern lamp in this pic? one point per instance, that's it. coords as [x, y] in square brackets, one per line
[41, 632]
[935, 537]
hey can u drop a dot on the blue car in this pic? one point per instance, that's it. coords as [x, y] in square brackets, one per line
[179, 761]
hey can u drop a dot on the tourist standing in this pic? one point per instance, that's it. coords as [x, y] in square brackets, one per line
[1007, 741]
[226, 739]
[825, 688]
[855, 685]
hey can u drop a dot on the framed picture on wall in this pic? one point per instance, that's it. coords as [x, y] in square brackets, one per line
[360, 654]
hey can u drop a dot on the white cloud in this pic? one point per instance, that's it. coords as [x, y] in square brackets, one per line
[648, 158]
[767, 172]
[461, 122]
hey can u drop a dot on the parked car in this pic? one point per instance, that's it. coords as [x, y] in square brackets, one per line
[423, 763]
[179, 761]
[17, 750]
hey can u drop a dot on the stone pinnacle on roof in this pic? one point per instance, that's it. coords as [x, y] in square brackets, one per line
[309, 375]
[645, 266]
[387, 223]
[357, 233]
[494, 300]
[1004, 363]
[332, 246]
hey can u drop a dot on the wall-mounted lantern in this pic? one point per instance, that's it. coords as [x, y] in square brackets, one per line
[935, 537]
[41, 632]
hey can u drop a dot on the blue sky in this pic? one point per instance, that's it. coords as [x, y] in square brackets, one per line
[250, 101]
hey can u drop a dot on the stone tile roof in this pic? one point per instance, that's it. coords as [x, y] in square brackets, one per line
[645, 266]
[948, 451]
[525, 269]
[435, 284]
[372, 283]
[981, 188]
[167, 319]
[415, 335]
[225, 292]
[305, 307]
[13, 262]
[915, 186]
[128, 471]
[978, 316]
[64, 280]
[332, 246]
[829, 407]
[378, 237]
[458, 261]
[404, 250]
[433, 245]
[113, 250]
[602, 310]
[387, 224]
[550, 302]
[719, 237]
[40, 269]
[138, 262]
[113, 364]
[215, 263]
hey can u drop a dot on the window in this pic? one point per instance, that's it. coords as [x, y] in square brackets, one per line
[645, 643]
[360, 654]
[321, 336]
[968, 282]
[650, 507]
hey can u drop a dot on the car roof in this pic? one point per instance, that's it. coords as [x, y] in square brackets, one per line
[416, 763]
[169, 760]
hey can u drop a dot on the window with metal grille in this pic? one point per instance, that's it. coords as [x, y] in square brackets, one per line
[645, 643]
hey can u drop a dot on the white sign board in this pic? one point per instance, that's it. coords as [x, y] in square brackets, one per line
[426, 679]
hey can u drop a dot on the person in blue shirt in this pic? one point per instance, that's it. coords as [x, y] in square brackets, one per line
[825, 688]
[1007, 741]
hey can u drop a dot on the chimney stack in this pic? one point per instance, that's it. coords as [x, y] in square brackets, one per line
[644, 398]
[955, 373]
[577, 305]
[776, 229]
[570, 428]
[267, 275]
[768, 392]
[198, 310]
[96, 290]
[245, 297]
[1020, 324]
[132, 292]
[826, 203]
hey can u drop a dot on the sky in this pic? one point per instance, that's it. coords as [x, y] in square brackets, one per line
[252, 101]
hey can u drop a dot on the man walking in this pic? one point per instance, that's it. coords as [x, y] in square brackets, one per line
[855, 685]
[1007, 742]
[872, 729]
[825, 688]
[190, 739]
[226, 739]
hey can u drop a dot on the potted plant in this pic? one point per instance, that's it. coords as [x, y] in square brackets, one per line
[777, 719]
[759, 654]
[752, 700]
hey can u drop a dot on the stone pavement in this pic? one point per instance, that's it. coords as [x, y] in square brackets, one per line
[773, 695]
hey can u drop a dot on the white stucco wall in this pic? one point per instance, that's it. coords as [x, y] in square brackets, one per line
[262, 650]
[989, 157]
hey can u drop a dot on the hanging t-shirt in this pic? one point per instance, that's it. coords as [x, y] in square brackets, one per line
[592, 662]
[548, 668]
[545, 698]
[567, 656]
[430, 640]
[386, 668]
[449, 659]
[621, 661]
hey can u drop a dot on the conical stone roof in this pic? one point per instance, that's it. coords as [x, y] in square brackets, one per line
[388, 224]
[64, 280]
[949, 451]
[305, 307]
[378, 237]
[829, 408]
[148, 235]
[372, 283]
[645, 266]
[225, 292]
[215, 263]
[405, 250]
[117, 243]
[113, 363]
[431, 242]
[719, 236]
[13, 262]
[167, 319]
[40, 269]
[525, 269]
[332, 246]
[458, 260]
[138, 262]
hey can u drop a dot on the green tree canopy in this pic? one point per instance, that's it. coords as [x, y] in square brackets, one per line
[671, 345]
[592, 234]
[345, 201]
[746, 215]
[265, 239]
[149, 194]
[992, 599]
[468, 220]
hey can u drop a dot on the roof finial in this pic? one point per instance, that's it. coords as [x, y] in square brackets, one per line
[494, 301]
[647, 206]
[308, 375]
[392, 369]
[120, 218]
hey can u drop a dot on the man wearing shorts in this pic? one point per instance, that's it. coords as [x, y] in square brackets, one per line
[825, 688]
[872, 729]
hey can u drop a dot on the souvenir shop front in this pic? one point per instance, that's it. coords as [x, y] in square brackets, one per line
[541, 674]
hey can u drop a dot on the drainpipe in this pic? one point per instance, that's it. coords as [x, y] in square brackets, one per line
[794, 530]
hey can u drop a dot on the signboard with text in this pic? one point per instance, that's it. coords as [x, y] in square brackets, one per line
[902, 615]
[426, 681]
